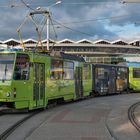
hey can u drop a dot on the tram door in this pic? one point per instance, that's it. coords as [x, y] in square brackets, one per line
[112, 80]
[39, 84]
[78, 82]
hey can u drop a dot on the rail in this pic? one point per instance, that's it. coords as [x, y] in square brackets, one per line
[11, 129]
[132, 117]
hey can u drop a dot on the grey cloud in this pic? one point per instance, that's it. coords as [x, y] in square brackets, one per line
[11, 18]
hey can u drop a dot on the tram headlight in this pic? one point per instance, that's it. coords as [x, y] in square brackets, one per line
[8, 94]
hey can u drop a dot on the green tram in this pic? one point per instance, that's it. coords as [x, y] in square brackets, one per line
[134, 76]
[33, 80]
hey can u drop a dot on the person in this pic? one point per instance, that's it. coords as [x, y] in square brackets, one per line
[17, 73]
[25, 71]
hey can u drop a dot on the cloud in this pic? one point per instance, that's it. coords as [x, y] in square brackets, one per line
[98, 18]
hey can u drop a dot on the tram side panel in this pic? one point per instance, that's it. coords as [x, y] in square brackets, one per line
[87, 79]
[134, 78]
[50, 79]
[101, 80]
[46, 82]
[60, 82]
[109, 79]
[71, 79]
[21, 83]
[122, 80]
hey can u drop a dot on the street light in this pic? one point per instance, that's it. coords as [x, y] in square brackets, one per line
[48, 22]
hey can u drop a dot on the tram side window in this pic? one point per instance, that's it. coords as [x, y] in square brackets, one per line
[121, 73]
[57, 71]
[136, 72]
[100, 73]
[62, 70]
[21, 71]
[68, 70]
[87, 71]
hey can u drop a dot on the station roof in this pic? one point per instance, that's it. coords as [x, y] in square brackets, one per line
[30, 41]
[102, 41]
[84, 41]
[50, 41]
[66, 41]
[119, 42]
[11, 42]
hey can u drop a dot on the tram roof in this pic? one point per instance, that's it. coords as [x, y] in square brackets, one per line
[134, 64]
[72, 57]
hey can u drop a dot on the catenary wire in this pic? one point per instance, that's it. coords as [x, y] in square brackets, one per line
[64, 3]
[27, 5]
[93, 20]
[91, 35]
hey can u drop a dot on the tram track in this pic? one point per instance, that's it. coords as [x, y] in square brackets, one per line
[132, 117]
[13, 127]
[110, 132]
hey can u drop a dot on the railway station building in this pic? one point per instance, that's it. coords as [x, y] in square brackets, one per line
[99, 51]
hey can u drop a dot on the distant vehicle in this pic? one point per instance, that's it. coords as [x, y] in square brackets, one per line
[134, 76]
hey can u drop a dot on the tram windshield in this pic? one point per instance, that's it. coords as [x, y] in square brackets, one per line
[22, 68]
[6, 66]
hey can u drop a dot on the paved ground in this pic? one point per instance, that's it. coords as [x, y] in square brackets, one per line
[103, 118]
[137, 114]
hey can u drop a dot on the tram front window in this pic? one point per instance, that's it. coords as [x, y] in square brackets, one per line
[22, 67]
[6, 66]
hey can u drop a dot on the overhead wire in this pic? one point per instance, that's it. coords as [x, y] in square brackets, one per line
[37, 28]
[74, 30]
[19, 33]
[93, 20]
[74, 22]
[67, 3]
[64, 3]
[27, 5]
[39, 32]
[53, 28]
[56, 36]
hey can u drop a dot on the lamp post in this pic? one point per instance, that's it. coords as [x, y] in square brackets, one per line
[48, 22]
[48, 32]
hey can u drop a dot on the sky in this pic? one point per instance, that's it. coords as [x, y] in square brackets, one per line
[72, 19]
